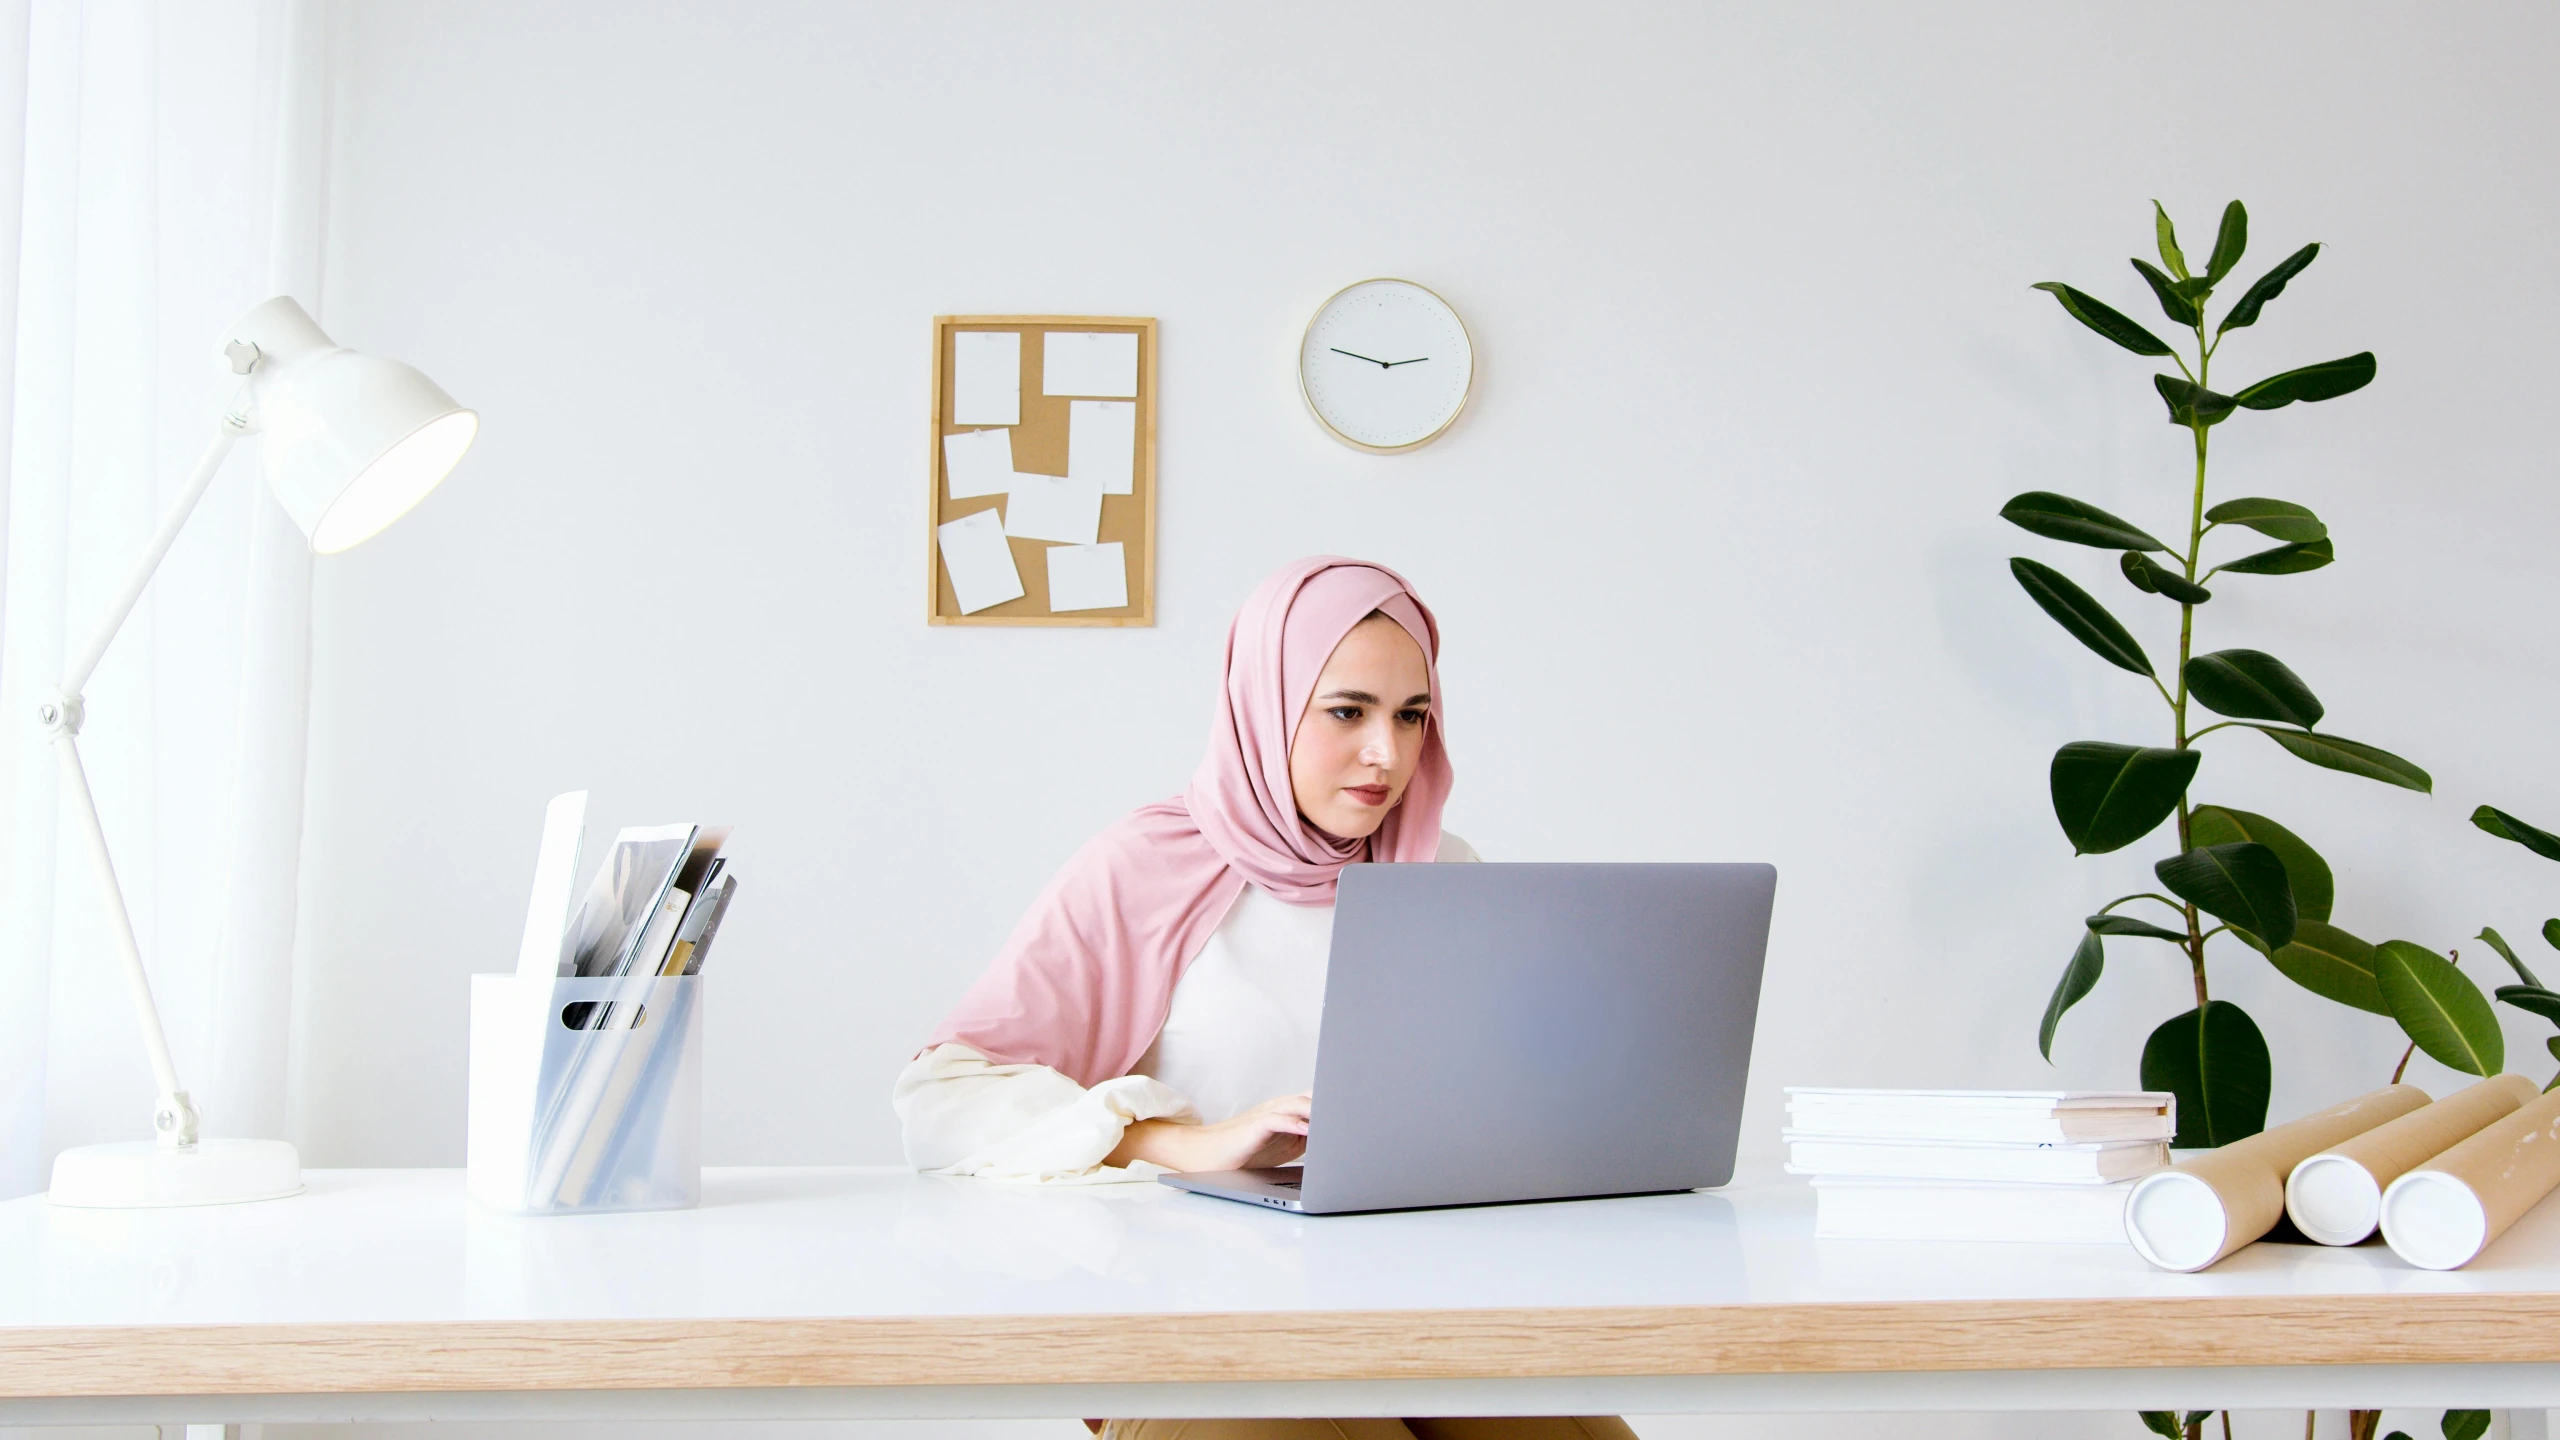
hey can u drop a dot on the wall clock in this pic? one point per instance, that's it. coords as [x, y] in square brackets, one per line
[1386, 366]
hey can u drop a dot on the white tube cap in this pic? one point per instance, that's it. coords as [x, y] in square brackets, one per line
[2333, 1200]
[2433, 1221]
[2175, 1220]
[353, 442]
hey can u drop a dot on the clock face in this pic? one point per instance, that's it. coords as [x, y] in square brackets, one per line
[1386, 365]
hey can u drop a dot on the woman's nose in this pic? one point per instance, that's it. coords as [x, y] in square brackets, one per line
[1379, 749]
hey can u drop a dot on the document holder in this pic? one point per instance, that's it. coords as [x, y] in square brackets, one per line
[586, 1094]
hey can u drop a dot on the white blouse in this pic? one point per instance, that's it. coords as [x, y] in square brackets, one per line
[1242, 1030]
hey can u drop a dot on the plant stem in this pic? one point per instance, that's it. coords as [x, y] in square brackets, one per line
[2226, 1425]
[2186, 647]
[2403, 1067]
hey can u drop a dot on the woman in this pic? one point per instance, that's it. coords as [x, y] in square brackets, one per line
[1157, 1008]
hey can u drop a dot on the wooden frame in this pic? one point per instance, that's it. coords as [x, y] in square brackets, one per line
[1040, 445]
[2387, 1329]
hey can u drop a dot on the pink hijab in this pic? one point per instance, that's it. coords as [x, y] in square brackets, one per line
[1086, 980]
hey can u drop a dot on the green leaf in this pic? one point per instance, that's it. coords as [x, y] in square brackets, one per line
[2328, 961]
[2176, 306]
[2088, 961]
[2163, 1423]
[2108, 796]
[2507, 827]
[2314, 889]
[2241, 884]
[2153, 578]
[2105, 319]
[2215, 1061]
[2198, 1417]
[2325, 381]
[2269, 286]
[2284, 559]
[2498, 942]
[2440, 1008]
[2252, 685]
[2088, 621]
[2228, 245]
[2170, 254]
[2281, 519]
[2465, 1424]
[2352, 757]
[2127, 925]
[2551, 933]
[2397, 1435]
[2059, 517]
[2190, 403]
[2553, 1045]
[2533, 1000]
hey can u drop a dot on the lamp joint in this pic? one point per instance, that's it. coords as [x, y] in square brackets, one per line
[173, 1124]
[61, 716]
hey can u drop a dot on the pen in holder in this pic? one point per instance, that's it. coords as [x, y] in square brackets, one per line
[586, 1093]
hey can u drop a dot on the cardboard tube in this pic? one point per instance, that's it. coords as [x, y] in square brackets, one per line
[2335, 1197]
[2202, 1208]
[2444, 1213]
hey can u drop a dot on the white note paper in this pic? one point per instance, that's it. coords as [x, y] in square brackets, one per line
[979, 562]
[1089, 362]
[986, 377]
[978, 462]
[1102, 443]
[1088, 577]
[1054, 507]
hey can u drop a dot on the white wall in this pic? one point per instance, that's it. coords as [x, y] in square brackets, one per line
[1715, 545]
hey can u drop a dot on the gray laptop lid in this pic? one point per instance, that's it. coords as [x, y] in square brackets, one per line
[1528, 1032]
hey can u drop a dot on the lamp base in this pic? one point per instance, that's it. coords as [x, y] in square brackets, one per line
[142, 1174]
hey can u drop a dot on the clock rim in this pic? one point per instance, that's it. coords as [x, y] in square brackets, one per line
[1464, 396]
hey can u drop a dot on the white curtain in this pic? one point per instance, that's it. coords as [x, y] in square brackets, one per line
[162, 169]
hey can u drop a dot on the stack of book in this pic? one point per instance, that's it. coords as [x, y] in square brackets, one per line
[2036, 1165]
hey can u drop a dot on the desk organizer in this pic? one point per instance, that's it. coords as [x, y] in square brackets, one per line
[586, 1094]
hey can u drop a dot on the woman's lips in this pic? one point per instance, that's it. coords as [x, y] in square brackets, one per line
[1367, 794]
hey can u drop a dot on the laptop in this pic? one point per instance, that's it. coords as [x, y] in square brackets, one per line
[1499, 1033]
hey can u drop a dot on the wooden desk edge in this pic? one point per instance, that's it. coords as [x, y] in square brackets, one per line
[1837, 1338]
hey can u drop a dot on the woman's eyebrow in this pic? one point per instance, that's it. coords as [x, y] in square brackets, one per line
[1422, 699]
[1356, 697]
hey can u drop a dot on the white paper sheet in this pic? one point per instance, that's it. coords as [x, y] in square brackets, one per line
[1102, 443]
[555, 887]
[979, 562]
[986, 377]
[1089, 362]
[1088, 577]
[1054, 507]
[978, 462]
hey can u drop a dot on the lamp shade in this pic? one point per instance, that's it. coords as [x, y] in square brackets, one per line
[353, 441]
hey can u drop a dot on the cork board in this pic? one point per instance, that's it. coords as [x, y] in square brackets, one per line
[1040, 448]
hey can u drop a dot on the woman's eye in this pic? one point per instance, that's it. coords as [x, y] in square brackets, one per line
[1347, 714]
[1413, 717]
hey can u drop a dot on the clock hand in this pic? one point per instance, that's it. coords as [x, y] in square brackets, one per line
[1338, 350]
[1416, 360]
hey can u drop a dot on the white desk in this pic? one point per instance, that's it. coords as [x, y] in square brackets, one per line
[842, 1293]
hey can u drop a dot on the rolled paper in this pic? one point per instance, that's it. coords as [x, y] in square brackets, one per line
[2444, 1213]
[2202, 1208]
[2335, 1197]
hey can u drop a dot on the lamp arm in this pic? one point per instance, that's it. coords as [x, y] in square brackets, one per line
[234, 424]
[173, 1120]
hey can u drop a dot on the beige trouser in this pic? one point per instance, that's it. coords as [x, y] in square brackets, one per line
[1508, 1427]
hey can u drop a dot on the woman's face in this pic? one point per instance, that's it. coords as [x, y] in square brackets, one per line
[1357, 743]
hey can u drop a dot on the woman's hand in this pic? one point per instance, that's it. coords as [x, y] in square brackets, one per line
[1271, 1133]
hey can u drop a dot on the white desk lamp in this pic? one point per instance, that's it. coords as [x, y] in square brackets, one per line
[353, 442]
